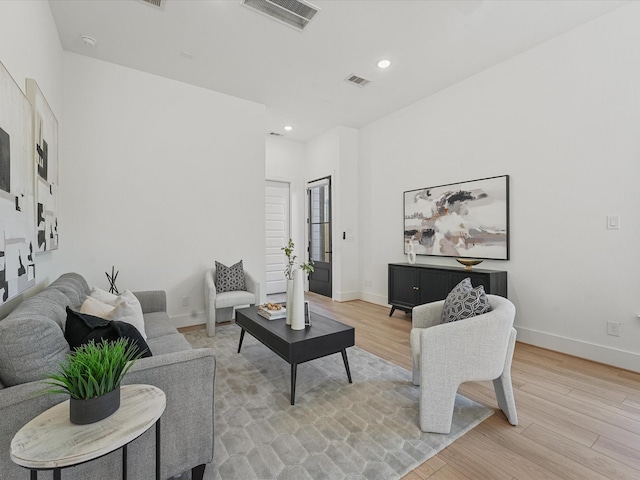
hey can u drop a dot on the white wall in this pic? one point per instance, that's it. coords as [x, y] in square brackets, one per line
[561, 119]
[160, 179]
[284, 162]
[335, 154]
[30, 48]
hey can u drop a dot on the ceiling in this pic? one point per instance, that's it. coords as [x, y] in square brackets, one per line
[299, 76]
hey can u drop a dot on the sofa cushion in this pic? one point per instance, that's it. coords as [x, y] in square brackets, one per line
[32, 345]
[51, 302]
[169, 344]
[229, 279]
[464, 301]
[158, 324]
[81, 328]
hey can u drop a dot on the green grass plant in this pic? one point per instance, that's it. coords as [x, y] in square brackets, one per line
[94, 369]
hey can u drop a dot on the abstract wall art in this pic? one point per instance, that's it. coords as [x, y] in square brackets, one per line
[467, 220]
[17, 235]
[45, 145]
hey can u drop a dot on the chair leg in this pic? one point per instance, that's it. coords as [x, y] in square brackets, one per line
[436, 408]
[415, 373]
[504, 394]
[503, 387]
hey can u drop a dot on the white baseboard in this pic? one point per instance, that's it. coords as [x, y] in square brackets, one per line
[578, 348]
[374, 298]
[189, 319]
[346, 296]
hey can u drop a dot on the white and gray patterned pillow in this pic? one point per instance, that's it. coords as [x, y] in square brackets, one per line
[464, 301]
[229, 279]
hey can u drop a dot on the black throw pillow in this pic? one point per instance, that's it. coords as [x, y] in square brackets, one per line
[81, 328]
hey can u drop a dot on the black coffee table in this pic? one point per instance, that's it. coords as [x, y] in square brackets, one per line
[324, 337]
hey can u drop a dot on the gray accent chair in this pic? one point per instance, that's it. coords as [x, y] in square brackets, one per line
[220, 306]
[446, 355]
[32, 344]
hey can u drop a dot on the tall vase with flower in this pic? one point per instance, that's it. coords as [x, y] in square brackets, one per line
[295, 286]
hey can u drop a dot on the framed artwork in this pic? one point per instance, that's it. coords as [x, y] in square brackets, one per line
[45, 145]
[466, 220]
[17, 235]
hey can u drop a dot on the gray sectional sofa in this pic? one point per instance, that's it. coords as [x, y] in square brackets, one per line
[32, 343]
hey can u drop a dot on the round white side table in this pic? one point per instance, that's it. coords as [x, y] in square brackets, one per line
[51, 442]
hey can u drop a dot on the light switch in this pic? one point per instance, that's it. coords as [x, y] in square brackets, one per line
[613, 222]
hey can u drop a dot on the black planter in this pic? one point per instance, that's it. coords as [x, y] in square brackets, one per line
[82, 412]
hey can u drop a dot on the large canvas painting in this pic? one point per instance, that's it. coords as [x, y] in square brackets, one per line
[45, 145]
[466, 220]
[17, 236]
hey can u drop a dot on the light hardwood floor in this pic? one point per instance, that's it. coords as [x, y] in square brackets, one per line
[579, 420]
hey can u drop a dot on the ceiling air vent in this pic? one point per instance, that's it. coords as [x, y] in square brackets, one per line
[356, 80]
[295, 13]
[274, 134]
[155, 3]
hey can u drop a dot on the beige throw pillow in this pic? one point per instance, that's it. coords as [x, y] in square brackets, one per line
[95, 307]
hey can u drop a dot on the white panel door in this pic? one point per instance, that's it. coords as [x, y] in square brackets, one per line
[277, 232]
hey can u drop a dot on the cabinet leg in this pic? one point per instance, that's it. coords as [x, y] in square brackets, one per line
[393, 309]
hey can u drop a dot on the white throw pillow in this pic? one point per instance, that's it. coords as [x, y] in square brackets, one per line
[103, 296]
[95, 307]
[125, 308]
[128, 309]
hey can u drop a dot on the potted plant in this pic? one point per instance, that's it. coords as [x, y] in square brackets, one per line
[295, 290]
[91, 377]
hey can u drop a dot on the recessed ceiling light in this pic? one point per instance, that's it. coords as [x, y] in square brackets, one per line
[88, 40]
[288, 128]
[384, 63]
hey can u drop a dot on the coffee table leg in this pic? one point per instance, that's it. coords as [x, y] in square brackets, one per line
[346, 364]
[241, 338]
[294, 371]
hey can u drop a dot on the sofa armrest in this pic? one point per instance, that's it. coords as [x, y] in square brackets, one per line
[427, 315]
[152, 301]
[187, 379]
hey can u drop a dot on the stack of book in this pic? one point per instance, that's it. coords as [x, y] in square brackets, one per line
[272, 311]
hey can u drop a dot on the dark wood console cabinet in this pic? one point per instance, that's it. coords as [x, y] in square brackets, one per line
[411, 285]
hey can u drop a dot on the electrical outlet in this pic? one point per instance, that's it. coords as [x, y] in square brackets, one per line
[613, 222]
[185, 301]
[613, 328]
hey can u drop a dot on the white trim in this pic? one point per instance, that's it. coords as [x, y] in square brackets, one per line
[375, 298]
[346, 296]
[578, 348]
[189, 319]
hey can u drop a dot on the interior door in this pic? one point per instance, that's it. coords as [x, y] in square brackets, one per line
[277, 234]
[319, 219]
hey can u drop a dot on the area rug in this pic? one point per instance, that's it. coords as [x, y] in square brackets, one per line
[364, 430]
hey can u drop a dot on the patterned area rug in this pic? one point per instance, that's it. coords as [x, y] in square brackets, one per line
[336, 430]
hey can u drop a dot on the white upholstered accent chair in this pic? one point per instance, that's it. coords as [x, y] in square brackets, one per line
[449, 354]
[219, 306]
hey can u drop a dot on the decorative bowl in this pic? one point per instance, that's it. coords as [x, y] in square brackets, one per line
[468, 262]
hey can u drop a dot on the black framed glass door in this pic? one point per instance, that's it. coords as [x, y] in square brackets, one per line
[319, 220]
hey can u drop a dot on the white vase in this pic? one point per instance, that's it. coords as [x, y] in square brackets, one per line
[289, 303]
[297, 307]
[411, 255]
